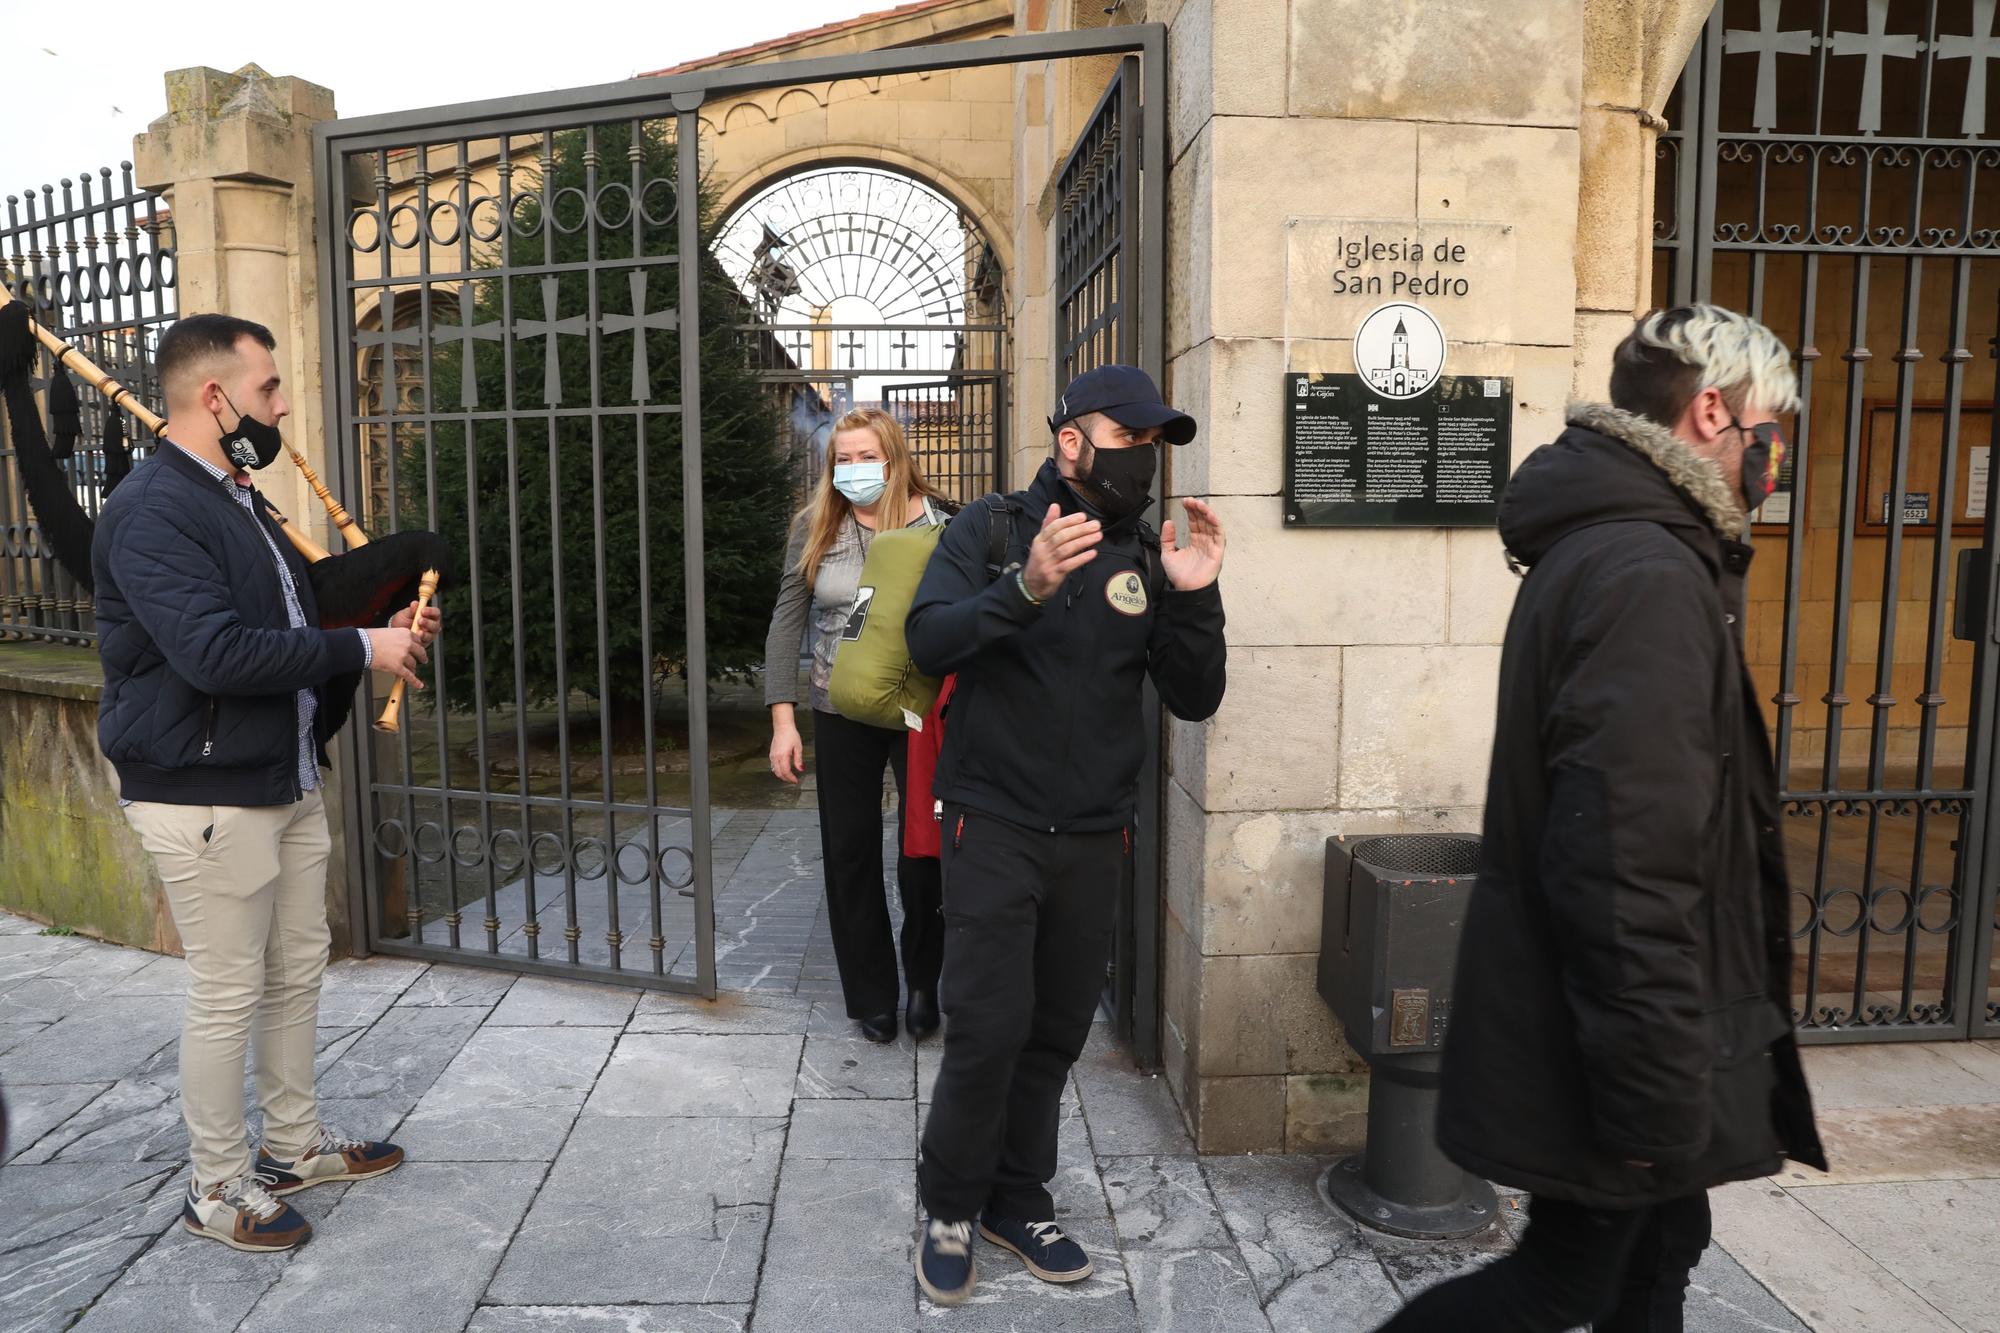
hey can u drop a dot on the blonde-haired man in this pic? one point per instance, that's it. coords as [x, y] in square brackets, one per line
[1621, 1036]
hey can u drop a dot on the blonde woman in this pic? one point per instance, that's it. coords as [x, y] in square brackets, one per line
[870, 483]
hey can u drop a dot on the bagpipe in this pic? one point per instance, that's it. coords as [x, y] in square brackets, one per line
[358, 588]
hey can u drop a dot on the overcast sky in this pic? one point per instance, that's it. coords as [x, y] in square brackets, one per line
[77, 109]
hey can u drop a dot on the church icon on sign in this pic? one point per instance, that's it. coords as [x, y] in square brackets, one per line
[1399, 350]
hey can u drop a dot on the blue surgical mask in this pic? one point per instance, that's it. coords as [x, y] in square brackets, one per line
[861, 483]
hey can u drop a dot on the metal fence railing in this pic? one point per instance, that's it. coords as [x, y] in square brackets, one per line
[93, 257]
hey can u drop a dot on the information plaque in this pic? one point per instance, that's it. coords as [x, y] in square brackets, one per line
[1356, 459]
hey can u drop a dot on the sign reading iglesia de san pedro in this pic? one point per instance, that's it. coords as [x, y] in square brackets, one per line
[1398, 442]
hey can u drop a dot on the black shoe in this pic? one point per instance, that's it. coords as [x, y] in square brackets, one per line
[1049, 1255]
[922, 1016]
[945, 1269]
[880, 1029]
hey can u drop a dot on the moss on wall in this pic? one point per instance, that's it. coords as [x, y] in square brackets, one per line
[67, 855]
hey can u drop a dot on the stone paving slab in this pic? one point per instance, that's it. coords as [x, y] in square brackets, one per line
[68, 1230]
[1196, 1291]
[198, 1305]
[1893, 1223]
[729, 1014]
[107, 1040]
[879, 1131]
[652, 1075]
[610, 1319]
[448, 1222]
[401, 1055]
[841, 1247]
[553, 1002]
[649, 1209]
[510, 1095]
[35, 1109]
[135, 1120]
[854, 1067]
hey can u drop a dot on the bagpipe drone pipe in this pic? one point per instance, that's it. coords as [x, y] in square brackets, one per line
[361, 587]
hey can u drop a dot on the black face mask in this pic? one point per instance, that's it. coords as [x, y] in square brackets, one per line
[1119, 482]
[252, 444]
[1763, 457]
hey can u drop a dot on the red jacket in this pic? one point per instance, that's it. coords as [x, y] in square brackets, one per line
[921, 834]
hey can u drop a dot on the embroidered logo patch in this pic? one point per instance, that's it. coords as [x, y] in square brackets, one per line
[1127, 594]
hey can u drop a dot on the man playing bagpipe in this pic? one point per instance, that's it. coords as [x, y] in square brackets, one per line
[221, 690]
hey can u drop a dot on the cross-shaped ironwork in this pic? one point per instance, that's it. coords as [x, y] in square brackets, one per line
[491, 331]
[1874, 44]
[1767, 43]
[904, 347]
[796, 343]
[637, 323]
[851, 346]
[387, 336]
[1979, 46]
[548, 326]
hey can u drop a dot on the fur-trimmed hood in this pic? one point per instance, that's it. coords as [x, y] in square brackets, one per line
[1615, 466]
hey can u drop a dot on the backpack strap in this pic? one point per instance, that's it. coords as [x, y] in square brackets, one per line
[1156, 569]
[1000, 511]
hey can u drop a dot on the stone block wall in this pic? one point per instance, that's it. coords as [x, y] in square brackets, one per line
[1363, 663]
[67, 856]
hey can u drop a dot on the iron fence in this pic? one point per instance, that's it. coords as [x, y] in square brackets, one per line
[93, 258]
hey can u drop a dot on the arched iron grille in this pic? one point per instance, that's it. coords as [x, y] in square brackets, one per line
[871, 287]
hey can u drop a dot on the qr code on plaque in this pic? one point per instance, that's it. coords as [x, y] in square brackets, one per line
[1492, 388]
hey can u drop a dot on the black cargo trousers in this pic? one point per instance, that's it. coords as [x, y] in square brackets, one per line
[1028, 921]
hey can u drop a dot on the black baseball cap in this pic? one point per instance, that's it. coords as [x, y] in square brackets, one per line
[1128, 396]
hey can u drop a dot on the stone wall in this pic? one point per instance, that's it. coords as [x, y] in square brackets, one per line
[1363, 663]
[67, 856]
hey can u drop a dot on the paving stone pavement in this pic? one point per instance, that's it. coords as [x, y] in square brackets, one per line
[586, 1157]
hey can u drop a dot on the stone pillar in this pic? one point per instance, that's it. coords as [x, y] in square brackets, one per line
[1363, 662]
[233, 157]
[1633, 53]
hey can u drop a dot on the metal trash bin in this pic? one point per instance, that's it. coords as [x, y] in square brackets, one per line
[1393, 908]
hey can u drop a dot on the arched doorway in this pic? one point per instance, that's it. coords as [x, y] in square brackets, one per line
[870, 286]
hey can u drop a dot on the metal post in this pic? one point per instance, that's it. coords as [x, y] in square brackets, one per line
[687, 192]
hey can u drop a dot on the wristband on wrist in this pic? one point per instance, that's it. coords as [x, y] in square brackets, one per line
[1021, 582]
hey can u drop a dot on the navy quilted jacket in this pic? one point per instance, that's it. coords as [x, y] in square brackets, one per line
[200, 664]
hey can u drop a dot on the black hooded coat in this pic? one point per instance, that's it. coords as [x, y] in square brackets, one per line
[1623, 993]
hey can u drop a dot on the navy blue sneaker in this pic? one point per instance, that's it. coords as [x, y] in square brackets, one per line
[333, 1157]
[944, 1265]
[1049, 1255]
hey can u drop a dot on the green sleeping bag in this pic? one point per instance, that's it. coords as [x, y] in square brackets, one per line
[874, 680]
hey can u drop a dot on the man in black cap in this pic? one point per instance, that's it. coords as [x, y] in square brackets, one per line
[1037, 787]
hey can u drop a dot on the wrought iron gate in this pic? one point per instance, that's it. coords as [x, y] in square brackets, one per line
[1107, 312]
[516, 341]
[1838, 185]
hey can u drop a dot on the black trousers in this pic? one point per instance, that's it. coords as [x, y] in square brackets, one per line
[1615, 1271]
[1028, 921]
[848, 758]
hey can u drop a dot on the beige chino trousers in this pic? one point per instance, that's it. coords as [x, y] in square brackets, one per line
[247, 886]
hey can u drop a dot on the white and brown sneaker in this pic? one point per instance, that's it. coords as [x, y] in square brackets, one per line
[334, 1157]
[244, 1215]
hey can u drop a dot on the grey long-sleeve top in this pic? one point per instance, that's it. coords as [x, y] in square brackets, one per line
[823, 605]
